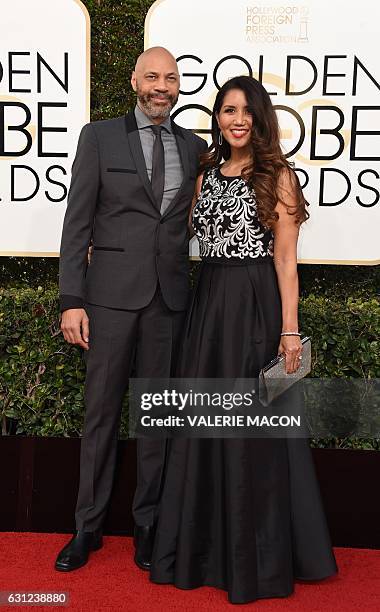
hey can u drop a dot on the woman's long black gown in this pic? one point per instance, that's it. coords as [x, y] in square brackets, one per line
[244, 515]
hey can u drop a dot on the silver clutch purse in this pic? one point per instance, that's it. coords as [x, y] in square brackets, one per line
[273, 380]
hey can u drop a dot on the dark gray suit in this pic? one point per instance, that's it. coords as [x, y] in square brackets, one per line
[135, 291]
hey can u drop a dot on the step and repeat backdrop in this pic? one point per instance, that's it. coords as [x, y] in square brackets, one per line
[316, 60]
[44, 101]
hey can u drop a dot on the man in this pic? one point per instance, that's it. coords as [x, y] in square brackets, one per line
[133, 179]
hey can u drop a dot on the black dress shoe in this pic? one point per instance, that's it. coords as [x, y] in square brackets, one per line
[75, 553]
[143, 540]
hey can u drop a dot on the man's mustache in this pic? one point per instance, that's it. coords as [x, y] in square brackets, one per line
[161, 96]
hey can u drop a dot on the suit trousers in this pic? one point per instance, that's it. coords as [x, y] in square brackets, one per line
[144, 341]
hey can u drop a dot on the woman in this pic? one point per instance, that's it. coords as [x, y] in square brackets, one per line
[243, 515]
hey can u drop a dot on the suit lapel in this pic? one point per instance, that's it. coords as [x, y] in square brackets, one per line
[139, 159]
[138, 155]
[184, 155]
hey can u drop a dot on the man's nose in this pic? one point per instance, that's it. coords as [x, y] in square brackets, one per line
[161, 85]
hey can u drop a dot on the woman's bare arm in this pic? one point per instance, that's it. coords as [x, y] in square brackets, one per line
[286, 232]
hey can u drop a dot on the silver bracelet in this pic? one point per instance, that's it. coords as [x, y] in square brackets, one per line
[290, 334]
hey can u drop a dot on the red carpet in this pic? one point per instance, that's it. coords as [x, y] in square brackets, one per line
[111, 581]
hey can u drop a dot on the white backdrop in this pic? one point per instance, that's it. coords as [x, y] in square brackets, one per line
[44, 83]
[324, 49]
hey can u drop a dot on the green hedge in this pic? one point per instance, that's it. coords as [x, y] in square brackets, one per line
[41, 377]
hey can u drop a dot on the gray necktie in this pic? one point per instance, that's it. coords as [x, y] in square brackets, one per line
[158, 166]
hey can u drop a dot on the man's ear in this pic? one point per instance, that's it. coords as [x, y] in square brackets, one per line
[133, 81]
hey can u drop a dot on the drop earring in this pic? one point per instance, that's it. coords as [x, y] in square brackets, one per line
[220, 139]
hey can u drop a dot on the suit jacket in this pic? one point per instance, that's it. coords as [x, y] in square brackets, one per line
[111, 203]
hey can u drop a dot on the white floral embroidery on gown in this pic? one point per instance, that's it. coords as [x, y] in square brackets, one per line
[225, 219]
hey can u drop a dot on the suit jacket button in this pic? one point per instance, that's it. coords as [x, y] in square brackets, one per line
[158, 252]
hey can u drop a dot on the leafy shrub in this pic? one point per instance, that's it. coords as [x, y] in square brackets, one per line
[41, 377]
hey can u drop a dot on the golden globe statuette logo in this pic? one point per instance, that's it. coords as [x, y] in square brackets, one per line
[303, 31]
[44, 102]
[326, 93]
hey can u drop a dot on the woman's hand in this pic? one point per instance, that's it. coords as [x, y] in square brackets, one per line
[291, 347]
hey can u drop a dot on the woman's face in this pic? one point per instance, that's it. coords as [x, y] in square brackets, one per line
[234, 120]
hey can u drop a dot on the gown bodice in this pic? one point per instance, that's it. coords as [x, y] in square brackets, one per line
[225, 219]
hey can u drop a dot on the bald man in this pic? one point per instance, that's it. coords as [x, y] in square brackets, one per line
[133, 179]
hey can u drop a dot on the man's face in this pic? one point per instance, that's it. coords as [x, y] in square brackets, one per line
[156, 82]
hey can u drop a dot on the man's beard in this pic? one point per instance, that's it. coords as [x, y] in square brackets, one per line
[153, 111]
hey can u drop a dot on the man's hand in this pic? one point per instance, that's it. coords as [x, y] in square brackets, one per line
[75, 327]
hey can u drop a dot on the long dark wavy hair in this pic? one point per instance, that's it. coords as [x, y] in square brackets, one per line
[266, 173]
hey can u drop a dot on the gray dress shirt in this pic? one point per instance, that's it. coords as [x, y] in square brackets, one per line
[173, 165]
